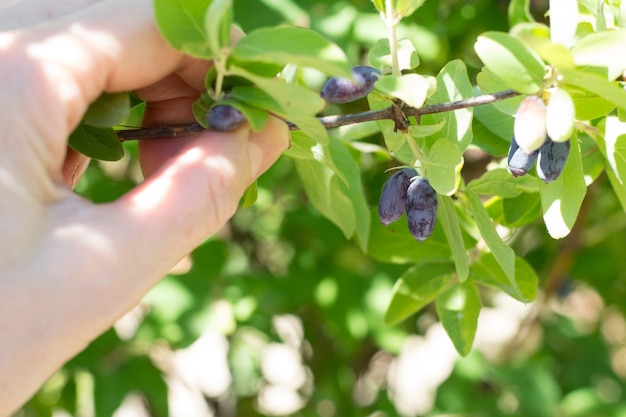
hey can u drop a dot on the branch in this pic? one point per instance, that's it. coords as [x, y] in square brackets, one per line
[189, 129]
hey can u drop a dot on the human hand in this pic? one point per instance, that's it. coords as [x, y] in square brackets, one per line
[71, 268]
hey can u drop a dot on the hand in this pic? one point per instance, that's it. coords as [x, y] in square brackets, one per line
[71, 268]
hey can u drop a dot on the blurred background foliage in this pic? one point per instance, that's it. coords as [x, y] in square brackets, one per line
[278, 314]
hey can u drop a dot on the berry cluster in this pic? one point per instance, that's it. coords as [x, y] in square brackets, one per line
[541, 135]
[405, 192]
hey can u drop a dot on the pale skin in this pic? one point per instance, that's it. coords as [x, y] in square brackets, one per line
[69, 268]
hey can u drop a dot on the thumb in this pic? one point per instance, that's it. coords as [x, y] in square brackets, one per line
[197, 191]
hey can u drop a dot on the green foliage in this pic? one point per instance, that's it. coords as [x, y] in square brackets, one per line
[309, 244]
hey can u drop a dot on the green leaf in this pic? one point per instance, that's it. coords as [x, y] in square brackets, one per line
[537, 37]
[217, 25]
[504, 255]
[394, 244]
[405, 8]
[96, 142]
[598, 50]
[110, 109]
[597, 85]
[255, 116]
[379, 5]
[380, 55]
[519, 12]
[444, 166]
[458, 308]
[521, 210]
[500, 182]
[613, 147]
[589, 107]
[293, 45]
[416, 288]
[453, 84]
[304, 147]
[511, 61]
[181, 23]
[413, 89]
[301, 112]
[487, 271]
[562, 198]
[449, 220]
[489, 83]
[341, 202]
[249, 196]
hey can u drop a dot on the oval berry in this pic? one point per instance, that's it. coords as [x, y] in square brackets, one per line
[421, 208]
[551, 160]
[520, 161]
[343, 90]
[392, 204]
[529, 127]
[560, 115]
[225, 118]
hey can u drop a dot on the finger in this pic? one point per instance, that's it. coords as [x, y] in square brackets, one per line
[196, 192]
[114, 47]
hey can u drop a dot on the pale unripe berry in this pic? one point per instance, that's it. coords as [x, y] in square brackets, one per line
[530, 124]
[560, 115]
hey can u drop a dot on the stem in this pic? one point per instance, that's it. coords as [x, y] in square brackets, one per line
[392, 22]
[188, 129]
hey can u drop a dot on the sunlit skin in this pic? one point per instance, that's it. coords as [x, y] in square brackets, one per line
[71, 268]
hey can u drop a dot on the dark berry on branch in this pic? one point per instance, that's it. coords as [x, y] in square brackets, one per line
[520, 161]
[552, 159]
[421, 208]
[392, 204]
[343, 90]
[225, 118]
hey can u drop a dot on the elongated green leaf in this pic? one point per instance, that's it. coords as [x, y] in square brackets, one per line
[413, 89]
[561, 199]
[444, 166]
[416, 288]
[109, 110]
[293, 45]
[449, 220]
[511, 61]
[500, 182]
[458, 308]
[380, 55]
[453, 84]
[597, 85]
[217, 24]
[519, 12]
[255, 116]
[181, 22]
[598, 50]
[250, 196]
[487, 271]
[521, 210]
[501, 252]
[537, 37]
[406, 8]
[304, 147]
[300, 112]
[341, 202]
[613, 147]
[96, 142]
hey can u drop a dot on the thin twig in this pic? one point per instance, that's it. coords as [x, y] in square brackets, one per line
[188, 129]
